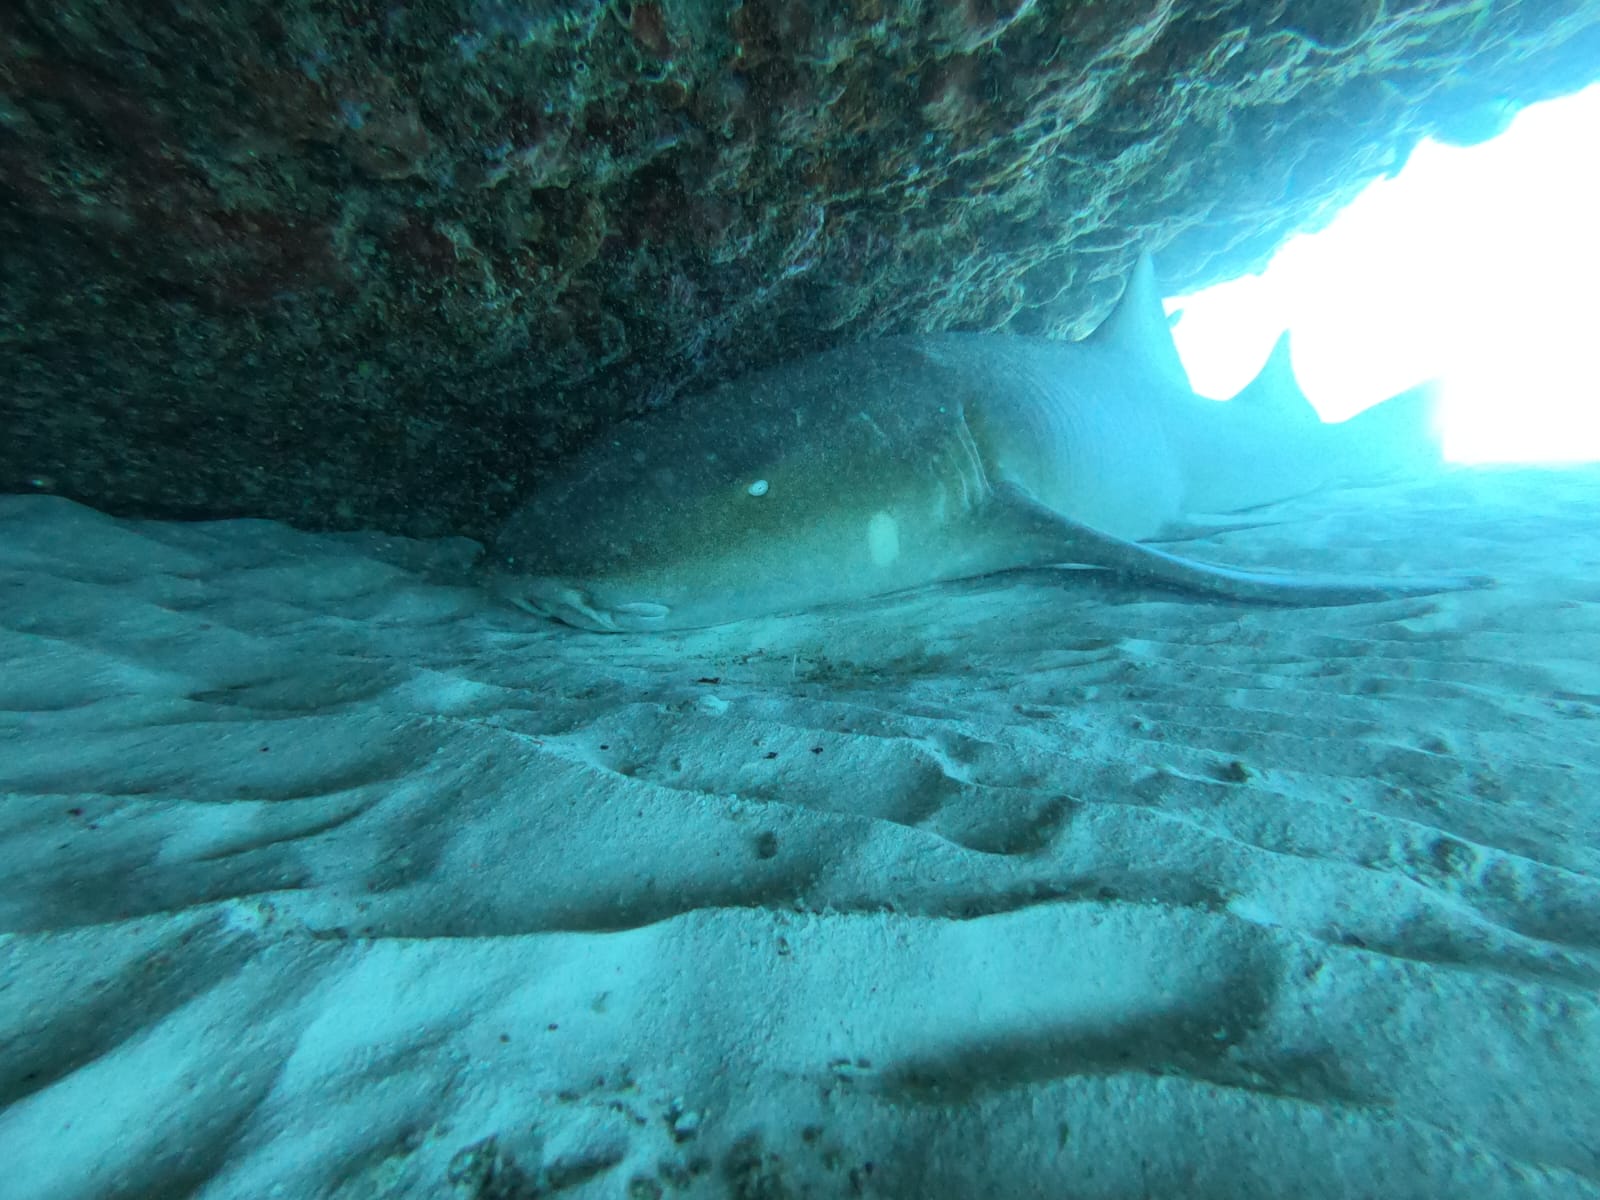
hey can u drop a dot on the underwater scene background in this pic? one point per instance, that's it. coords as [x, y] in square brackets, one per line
[326, 872]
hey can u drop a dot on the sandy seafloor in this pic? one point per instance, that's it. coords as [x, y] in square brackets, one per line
[324, 875]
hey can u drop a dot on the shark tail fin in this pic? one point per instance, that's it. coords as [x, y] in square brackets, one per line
[1264, 446]
[1396, 437]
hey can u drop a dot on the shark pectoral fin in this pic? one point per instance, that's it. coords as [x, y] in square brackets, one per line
[1067, 540]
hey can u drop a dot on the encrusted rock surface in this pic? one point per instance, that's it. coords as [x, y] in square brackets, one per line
[352, 264]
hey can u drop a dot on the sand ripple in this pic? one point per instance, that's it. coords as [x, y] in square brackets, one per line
[320, 872]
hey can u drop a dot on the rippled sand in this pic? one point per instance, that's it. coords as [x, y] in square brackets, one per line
[321, 872]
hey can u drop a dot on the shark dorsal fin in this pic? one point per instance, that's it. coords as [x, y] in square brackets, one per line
[1275, 390]
[1137, 328]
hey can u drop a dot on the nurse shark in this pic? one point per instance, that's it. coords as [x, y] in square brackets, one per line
[904, 461]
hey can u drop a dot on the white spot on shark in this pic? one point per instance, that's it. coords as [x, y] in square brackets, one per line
[883, 539]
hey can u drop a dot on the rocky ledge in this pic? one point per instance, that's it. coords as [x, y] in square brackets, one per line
[373, 265]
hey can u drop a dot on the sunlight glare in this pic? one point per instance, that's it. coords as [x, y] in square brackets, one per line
[1471, 266]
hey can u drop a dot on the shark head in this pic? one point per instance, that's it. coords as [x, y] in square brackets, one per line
[676, 523]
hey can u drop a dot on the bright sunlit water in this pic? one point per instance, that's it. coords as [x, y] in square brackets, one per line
[1474, 265]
